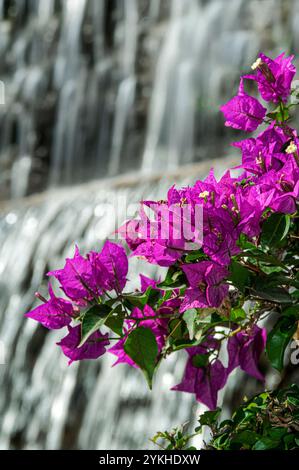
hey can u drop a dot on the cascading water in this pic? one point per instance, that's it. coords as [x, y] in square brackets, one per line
[44, 403]
[102, 87]
[95, 88]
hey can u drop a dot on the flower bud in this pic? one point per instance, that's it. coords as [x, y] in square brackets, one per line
[40, 297]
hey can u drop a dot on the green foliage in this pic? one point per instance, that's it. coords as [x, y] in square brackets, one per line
[142, 347]
[240, 276]
[280, 114]
[177, 439]
[275, 229]
[93, 320]
[278, 340]
[149, 297]
[269, 420]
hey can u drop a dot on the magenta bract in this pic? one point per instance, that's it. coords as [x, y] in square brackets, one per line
[245, 349]
[204, 382]
[243, 112]
[93, 348]
[274, 77]
[54, 314]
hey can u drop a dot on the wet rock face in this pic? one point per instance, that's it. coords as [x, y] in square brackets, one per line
[96, 88]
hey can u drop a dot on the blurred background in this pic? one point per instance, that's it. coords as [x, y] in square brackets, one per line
[106, 100]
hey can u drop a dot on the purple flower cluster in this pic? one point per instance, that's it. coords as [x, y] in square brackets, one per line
[244, 351]
[83, 280]
[167, 231]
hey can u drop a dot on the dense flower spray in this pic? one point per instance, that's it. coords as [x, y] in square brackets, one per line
[225, 271]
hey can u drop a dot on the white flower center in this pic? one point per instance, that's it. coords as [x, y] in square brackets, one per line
[256, 64]
[292, 148]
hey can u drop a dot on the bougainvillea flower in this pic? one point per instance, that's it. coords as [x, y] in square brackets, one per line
[171, 305]
[146, 282]
[94, 347]
[205, 272]
[264, 153]
[198, 249]
[212, 193]
[274, 77]
[77, 278]
[194, 298]
[281, 188]
[168, 229]
[204, 382]
[243, 112]
[158, 252]
[153, 245]
[131, 233]
[245, 349]
[248, 214]
[53, 314]
[179, 196]
[112, 266]
[220, 236]
[84, 279]
[206, 286]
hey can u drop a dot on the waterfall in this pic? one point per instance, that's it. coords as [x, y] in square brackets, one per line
[205, 46]
[44, 403]
[95, 89]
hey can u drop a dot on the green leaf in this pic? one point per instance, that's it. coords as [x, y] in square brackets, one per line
[292, 311]
[275, 279]
[265, 443]
[179, 344]
[252, 252]
[273, 294]
[280, 114]
[137, 300]
[176, 329]
[174, 279]
[293, 401]
[209, 418]
[289, 441]
[194, 256]
[277, 434]
[275, 229]
[92, 321]
[239, 276]
[270, 269]
[237, 314]
[150, 297]
[115, 323]
[278, 340]
[246, 438]
[153, 295]
[189, 317]
[141, 346]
